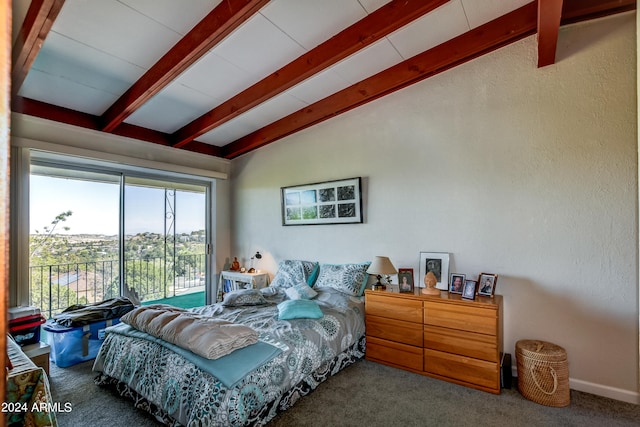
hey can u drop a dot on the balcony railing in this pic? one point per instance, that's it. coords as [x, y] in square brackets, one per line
[56, 287]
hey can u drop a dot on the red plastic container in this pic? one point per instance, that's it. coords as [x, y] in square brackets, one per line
[26, 330]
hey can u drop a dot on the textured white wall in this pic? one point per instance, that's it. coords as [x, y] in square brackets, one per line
[524, 172]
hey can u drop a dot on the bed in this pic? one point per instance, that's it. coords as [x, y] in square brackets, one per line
[309, 325]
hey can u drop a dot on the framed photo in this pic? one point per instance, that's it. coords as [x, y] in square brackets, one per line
[405, 280]
[438, 264]
[469, 289]
[331, 202]
[457, 283]
[487, 284]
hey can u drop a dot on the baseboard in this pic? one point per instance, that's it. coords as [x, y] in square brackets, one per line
[597, 389]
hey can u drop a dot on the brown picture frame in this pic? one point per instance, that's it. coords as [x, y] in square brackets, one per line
[487, 284]
[405, 273]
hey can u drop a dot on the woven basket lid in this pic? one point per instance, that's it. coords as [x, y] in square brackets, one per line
[541, 350]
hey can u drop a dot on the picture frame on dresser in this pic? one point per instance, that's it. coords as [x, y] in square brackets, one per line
[457, 283]
[469, 289]
[405, 280]
[487, 284]
[438, 264]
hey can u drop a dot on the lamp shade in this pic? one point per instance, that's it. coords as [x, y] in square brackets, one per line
[381, 265]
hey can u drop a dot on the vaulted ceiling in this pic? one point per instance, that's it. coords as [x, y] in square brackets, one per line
[224, 77]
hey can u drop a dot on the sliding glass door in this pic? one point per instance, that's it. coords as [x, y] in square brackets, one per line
[96, 235]
[165, 241]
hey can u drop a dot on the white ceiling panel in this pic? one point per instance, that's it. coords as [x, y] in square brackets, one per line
[258, 47]
[230, 131]
[367, 62]
[479, 13]
[171, 109]
[65, 93]
[180, 16]
[373, 5]
[311, 22]
[276, 108]
[442, 24]
[216, 77]
[319, 86]
[262, 115]
[73, 61]
[116, 29]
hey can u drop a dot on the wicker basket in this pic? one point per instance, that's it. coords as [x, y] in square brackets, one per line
[543, 372]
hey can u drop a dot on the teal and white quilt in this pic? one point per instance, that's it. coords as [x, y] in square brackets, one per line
[247, 387]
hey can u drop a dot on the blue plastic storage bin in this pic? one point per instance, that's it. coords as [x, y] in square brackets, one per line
[70, 346]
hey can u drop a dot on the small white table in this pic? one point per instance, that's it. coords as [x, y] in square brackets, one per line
[233, 280]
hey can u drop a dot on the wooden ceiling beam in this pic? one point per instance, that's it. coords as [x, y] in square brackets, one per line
[493, 35]
[549, 15]
[35, 28]
[368, 30]
[583, 10]
[210, 31]
[479, 41]
[88, 121]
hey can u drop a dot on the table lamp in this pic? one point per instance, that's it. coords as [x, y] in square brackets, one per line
[381, 266]
[258, 255]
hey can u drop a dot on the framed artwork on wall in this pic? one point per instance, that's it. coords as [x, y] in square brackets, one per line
[405, 280]
[330, 202]
[438, 264]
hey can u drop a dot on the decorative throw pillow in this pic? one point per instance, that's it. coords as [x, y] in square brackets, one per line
[269, 291]
[350, 279]
[292, 272]
[242, 297]
[299, 309]
[301, 291]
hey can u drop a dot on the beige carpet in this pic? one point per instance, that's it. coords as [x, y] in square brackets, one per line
[364, 394]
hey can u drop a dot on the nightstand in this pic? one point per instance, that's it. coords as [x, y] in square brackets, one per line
[39, 354]
[233, 280]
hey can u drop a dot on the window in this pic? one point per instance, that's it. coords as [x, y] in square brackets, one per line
[100, 233]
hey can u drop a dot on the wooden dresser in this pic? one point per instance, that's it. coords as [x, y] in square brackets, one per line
[445, 337]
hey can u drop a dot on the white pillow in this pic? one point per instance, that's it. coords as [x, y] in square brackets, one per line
[301, 291]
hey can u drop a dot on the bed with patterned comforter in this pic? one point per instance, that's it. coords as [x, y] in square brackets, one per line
[248, 386]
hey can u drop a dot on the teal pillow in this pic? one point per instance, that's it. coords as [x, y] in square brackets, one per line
[312, 275]
[299, 309]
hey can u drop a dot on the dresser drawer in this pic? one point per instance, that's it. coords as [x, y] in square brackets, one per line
[462, 317]
[471, 344]
[395, 330]
[461, 368]
[395, 353]
[405, 309]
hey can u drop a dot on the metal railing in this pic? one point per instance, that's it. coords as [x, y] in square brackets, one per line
[56, 287]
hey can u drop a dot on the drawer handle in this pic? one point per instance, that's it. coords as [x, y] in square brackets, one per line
[555, 381]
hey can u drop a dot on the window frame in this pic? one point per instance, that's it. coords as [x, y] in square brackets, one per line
[23, 158]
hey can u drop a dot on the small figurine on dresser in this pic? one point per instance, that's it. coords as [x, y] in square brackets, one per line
[235, 265]
[430, 281]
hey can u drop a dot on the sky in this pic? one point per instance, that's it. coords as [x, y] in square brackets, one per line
[95, 207]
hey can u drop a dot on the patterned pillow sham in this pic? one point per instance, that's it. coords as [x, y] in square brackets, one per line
[293, 272]
[242, 297]
[301, 291]
[299, 309]
[350, 279]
